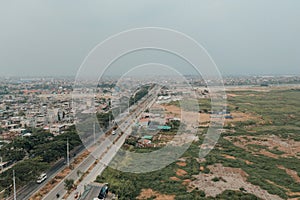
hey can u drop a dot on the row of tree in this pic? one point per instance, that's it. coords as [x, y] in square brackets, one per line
[33, 155]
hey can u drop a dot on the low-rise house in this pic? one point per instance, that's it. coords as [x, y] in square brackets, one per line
[144, 143]
[13, 126]
[144, 122]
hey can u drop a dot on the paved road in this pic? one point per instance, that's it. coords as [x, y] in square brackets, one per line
[84, 166]
[32, 187]
[93, 192]
[105, 150]
[98, 169]
[109, 155]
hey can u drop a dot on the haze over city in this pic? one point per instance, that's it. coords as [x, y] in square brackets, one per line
[150, 100]
[53, 37]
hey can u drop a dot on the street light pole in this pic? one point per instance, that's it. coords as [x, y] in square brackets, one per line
[68, 153]
[1, 161]
[109, 120]
[14, 183]
[94, 132]
[128, 106]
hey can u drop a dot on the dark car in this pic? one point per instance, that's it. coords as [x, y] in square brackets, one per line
[103, 192]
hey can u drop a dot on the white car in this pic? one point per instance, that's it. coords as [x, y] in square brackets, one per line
[113, 132]
[42, 177]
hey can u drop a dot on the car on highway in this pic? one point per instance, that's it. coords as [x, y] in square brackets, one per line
[76, 195]
[41, 178]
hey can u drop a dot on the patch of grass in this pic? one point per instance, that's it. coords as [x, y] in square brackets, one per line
[280, 112]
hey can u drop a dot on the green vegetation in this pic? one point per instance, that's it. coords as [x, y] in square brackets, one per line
[25, 172]
[275, 112]
[34, 155]
[104, 119]
[128, 185]
[69, 183]
[262, 170]
[137, 133]
[278, 113]
[141, 92]
[280, 108]
[106, 85]
[56, 147]
[236, 195]
[45, 145]
[202, 105]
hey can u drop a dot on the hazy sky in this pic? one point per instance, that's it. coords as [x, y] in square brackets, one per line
[52, 37]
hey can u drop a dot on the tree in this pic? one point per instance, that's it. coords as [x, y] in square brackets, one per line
[69, 183]
[104, 118]
[79, 173]
[124, 189]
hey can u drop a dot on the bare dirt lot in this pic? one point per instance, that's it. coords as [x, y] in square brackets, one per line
[229, 157]
[181, 164]
[194, 119]
[289, 148]
[148, 193]
[174, 178]
[181, 172]
[228, 179]
[292, 173]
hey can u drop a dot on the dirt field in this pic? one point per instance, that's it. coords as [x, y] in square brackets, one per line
[229, 157]
[291, 173]
[191, 119]
[179, 140]
[174, 178]
[290, 148]
[181, 164]
[194, 119]
[148, 193]
[289, 193]
[229, 179]
[181, 172]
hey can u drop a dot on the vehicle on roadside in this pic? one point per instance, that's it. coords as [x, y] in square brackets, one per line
[76, 195]
[41, 178]
[103, 192]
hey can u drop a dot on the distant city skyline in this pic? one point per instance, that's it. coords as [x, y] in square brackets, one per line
[52, 38]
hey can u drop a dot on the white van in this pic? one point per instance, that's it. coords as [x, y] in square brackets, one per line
[42, 177]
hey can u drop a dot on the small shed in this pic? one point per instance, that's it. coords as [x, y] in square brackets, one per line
[147, 137]
[165, 128]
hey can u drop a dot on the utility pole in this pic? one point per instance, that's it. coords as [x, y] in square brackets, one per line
[14, 183]
[128, 106]
[1, 161]
[68, 153]
[94, 132]
[109, 121]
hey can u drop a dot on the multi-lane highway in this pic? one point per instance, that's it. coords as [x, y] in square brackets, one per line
[32, 187]
[104, 151]
[126, 126]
